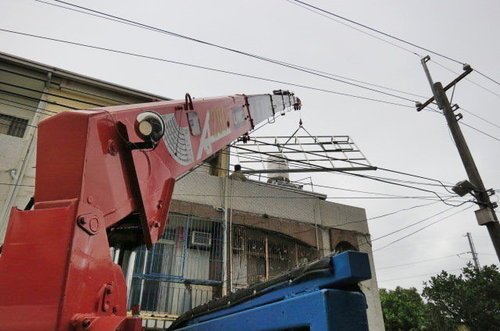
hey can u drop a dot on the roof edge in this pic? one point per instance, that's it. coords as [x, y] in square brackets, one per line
[78, 77]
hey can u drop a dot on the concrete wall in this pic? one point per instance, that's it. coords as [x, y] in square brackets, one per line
[370, 289]
[20, 96]
[273, 200]
[271, 204]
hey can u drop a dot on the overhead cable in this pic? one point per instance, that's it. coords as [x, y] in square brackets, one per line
[467, 79]
[321, 10]
[421, 229]
[209, 69]
[420, 261]
[354, 174]
[378, 31]
[469, 126]
[417, 276]
[481, 118]
[319, 73]
[206, 68]
[412, 224]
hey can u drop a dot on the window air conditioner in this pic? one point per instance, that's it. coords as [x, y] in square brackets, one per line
[201, 239]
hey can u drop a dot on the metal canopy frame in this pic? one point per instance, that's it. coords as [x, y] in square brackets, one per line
[297, 154]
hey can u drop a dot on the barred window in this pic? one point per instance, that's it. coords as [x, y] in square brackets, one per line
[12, 126]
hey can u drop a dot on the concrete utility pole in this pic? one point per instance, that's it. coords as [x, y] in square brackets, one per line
[485, 215]
[473, 251]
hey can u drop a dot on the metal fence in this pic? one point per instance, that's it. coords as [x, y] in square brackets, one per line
[184, 269]
[259, 255]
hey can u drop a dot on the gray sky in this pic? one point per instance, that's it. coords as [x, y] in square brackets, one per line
[390, 136]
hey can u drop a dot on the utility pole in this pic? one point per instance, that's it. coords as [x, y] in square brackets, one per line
[473, 251]
[485, 215]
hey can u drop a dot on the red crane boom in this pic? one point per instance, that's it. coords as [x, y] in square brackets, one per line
[105, 177]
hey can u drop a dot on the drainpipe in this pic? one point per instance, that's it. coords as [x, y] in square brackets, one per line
[225, 184]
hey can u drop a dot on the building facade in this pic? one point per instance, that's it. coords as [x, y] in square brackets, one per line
[30, 92]
[223, 234]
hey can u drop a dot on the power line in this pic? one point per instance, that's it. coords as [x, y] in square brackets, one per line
[29, 107]
[320, 10]
[467, 79]
[412, 224]
[369, 193]
[20, 108]
[467, 125]
[387, 196]
[480, 131]
[395, 196]
[447, 198]
[8, 125]
[342, 160]
[421, 229]
[319, 73]
[488, 77]
[309, 87]
[308, 197]
[417, 276]
[352, 190]
[415, 176]
[398, 180]
[386, 214]
[248, 157]
[352, 162]
[441, 198]
[209, 69]
[353, 27]
[11, 184]
[37, 99]
[378, 31]
[286, 197]
[481, 118]
[335, 92]
[395, 45]
[420, 261]
[350, 173]
[51, 94]
[114, 18]
[402, 185]
[45, 81]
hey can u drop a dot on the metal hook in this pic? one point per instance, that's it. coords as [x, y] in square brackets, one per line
[188, 105]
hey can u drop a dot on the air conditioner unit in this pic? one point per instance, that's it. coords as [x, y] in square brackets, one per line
[200, 239]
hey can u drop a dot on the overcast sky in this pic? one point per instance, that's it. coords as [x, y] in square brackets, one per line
[391, 136]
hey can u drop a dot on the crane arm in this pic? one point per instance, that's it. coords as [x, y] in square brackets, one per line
[105, 177]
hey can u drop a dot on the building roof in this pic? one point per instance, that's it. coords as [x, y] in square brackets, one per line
[77, 77]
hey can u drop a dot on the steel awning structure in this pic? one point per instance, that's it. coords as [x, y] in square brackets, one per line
[297, 154]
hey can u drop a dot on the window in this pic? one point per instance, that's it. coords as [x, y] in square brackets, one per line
[12, 126]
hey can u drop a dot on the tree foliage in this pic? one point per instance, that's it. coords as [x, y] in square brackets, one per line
[471, 299]
[403, 309]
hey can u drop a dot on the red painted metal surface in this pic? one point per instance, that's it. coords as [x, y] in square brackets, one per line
[93, 190]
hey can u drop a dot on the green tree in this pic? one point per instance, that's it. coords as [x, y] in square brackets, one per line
[471, 299]
[403, 309]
